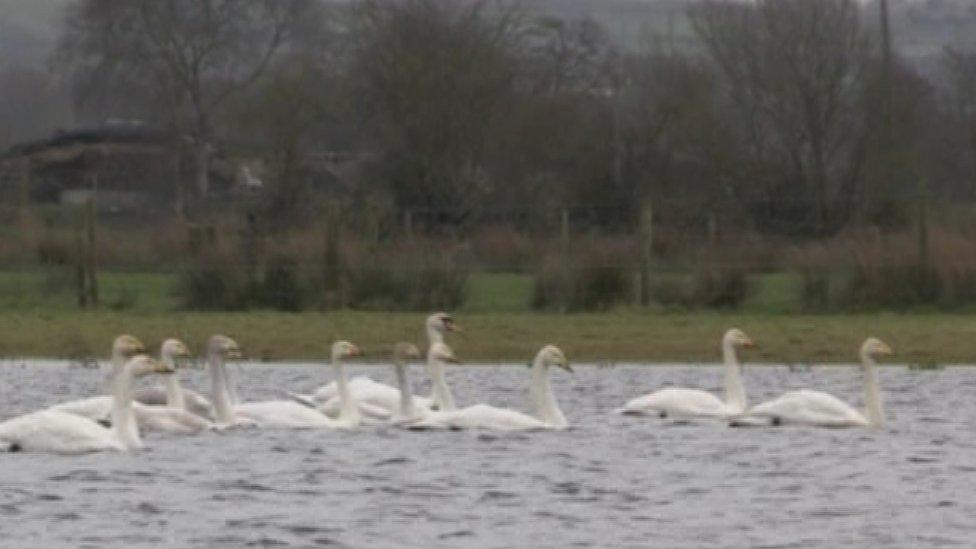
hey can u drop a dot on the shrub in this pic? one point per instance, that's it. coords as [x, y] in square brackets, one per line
[598, 278]
[870, 270]
[213, 283]
[280, 285]
[722, 286]
[404, 278]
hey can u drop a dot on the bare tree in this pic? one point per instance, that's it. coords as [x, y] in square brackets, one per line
[795, 72]
[430, 77]
[961, 67]
[192, 54]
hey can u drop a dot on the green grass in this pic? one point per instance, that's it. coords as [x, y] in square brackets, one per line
[616, 336]
[775, 293]
[39, 317]
[55, 291]
[498, 292]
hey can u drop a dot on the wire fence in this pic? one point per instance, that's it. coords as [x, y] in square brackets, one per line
[669, 253]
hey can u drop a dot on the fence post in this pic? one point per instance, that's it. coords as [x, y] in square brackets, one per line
[408, 225]
[332, 260]
[567, 284]
[922, 243]
[80, 257]
[90, 256]
[646, 241]
[23, 198]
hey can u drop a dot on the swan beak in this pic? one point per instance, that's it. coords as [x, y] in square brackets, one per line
[354, 351]
[886, 350]
[451, 359]
[234, 353]
[565, 365]
[749, 344]
[162, 368]
[451, 326]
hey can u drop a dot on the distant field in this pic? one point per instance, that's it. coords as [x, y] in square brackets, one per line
[615, 336]
[38, 317]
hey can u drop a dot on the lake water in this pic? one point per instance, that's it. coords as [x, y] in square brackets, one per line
[610, 481]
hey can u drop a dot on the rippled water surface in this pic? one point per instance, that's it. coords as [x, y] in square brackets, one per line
[611, 481]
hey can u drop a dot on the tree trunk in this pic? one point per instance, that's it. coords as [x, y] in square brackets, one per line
[201, 167]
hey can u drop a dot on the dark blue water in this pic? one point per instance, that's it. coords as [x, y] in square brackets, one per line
[611, 481]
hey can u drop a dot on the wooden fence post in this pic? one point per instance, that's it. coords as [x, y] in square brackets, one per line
[646, 251]
[90, 257]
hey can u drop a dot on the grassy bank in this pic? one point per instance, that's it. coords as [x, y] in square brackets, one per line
[618, 336]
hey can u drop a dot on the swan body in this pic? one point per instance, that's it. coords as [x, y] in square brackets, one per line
[60, 432]
[149, 418]
[680, 402]
[282, 413]
[482, 416]
[695, 402]
[818, 409]
[811, 408]
[57, 432]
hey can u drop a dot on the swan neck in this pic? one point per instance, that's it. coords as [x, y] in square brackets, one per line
[546, 407]
[872, 393]
[123, 417]
[223, 409]
[434, 336]
[735, 391]
[406, 393]
[174, 393]
[349, 410]
[440, 392]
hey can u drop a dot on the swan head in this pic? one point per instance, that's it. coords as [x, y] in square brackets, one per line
[439, 352]
[174, 349]
[143, 365]
[343, 349]
[874, 347]
[550, 355]
[736, 338]
[224, 346]
[404, 351]
[127, 346]
[442, 323]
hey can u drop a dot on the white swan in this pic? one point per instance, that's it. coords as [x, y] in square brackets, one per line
[817, 409]
[379, 400]
[97, 408]
[482, 416]
[65, 433]
[171, 393]
[167, 419]
[438, 355]
[276, 413]
[697, 403]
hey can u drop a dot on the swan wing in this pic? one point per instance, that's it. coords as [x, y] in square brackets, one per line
[814, 408]
[170, 420]
[57, 432]
[196, 403]
[94, 408]
[150, 396]
[331, 390]
[283, 413]
[678, 402]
